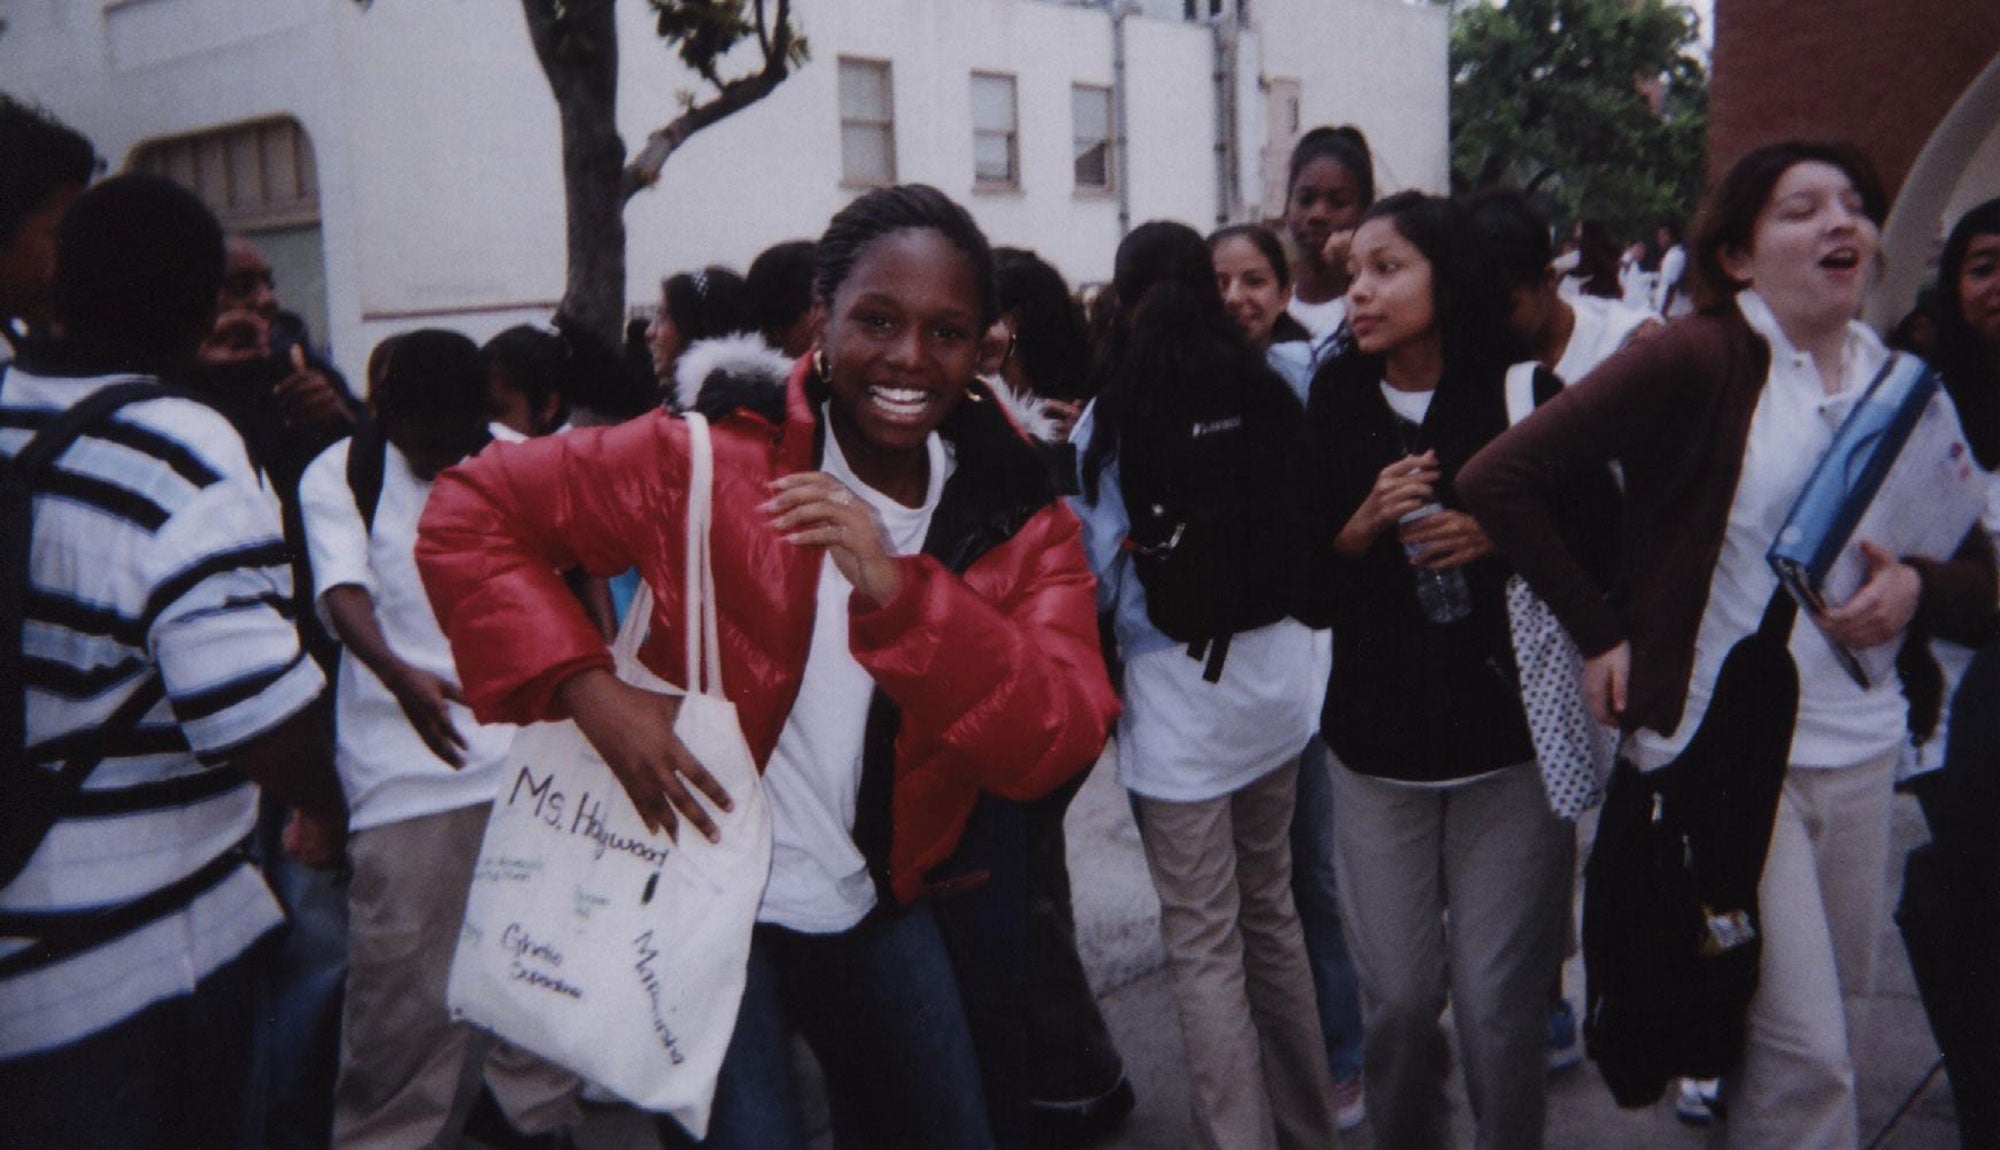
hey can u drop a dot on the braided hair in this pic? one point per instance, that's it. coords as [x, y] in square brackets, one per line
[904, 207]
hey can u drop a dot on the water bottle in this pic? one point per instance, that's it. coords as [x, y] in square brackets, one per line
[1442, 595]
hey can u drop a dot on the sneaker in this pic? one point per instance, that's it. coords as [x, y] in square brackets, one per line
[1349, 1108]
[1699, 1101]
[1565, 1048]
[1074, 1123]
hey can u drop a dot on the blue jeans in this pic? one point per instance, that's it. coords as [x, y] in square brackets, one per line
[879, 1007]
[1318, 901]
[308, 983]
[985, 932]
[180, 1073]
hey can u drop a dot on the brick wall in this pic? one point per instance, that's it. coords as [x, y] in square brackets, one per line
[1881, 74]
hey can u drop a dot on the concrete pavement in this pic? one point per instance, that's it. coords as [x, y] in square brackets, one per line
[1118, 934]
[1904, 1106]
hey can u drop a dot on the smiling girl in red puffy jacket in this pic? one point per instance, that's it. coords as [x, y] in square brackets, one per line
[907, 621]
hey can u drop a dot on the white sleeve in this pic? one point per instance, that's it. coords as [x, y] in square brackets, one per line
[336, 537]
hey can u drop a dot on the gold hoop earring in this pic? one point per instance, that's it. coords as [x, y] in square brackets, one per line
[819, 367]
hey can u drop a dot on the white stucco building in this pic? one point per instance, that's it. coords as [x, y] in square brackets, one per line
[400, 164]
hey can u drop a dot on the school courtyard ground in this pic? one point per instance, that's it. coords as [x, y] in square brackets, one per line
[1905, 1100]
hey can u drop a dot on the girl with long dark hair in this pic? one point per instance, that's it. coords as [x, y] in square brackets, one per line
[1439, 810]
[1184, 456]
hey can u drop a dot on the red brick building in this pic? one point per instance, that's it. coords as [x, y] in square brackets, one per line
[1914, 83]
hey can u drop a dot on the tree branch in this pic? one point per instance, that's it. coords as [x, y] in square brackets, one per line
[731, 97]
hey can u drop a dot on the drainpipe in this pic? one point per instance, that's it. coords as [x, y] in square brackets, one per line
[1121, 172]
[1226, 151]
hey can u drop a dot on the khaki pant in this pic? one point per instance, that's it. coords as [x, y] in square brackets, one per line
[1454, 893]
[402, 1058]
[1237, 966]
[1823, 902]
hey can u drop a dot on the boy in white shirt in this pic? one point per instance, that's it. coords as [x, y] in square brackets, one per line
[419, 772]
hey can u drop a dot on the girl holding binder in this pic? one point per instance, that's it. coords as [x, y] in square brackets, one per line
[906, 621]
[1717, 423]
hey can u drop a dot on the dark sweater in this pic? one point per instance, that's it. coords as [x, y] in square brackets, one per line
[1675, 412]
[1410, 699]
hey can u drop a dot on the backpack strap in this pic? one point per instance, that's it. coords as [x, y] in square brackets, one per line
[367, 457]
[35, 801]
[18, 477]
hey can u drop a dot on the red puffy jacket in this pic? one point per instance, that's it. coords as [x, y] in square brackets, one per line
[996, 670]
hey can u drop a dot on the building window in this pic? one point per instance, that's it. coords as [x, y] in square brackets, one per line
[996, 143]
[867, 124]
[1090, 115]
[255, 177]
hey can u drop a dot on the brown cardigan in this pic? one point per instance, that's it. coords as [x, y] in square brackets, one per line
[1674, 411]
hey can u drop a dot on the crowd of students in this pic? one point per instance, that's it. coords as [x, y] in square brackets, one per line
[1258, 517]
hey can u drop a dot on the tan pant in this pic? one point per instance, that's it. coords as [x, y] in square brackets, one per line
[1822, 900]
[402, 1058]
[1237, 966]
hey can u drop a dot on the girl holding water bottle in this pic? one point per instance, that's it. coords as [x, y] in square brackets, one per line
[1438, 807]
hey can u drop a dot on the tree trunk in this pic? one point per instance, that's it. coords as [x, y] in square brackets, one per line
[578, 51]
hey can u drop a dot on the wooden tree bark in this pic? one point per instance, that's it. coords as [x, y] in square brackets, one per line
[576, 42]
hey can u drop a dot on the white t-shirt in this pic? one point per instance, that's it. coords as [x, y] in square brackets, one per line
[1840, 723]
[1320, 319]
[819, 880]
[1183, 739]
[1410, 406]
[388, 772]
[1602, 327]
[1670, 291]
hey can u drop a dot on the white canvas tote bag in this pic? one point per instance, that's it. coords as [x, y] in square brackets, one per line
[611, 951]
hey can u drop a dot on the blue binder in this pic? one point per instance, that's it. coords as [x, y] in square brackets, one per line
[1902, 448]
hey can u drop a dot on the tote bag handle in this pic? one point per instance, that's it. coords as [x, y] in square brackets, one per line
[703, 632]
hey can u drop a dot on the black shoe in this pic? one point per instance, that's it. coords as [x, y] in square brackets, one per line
[1066, 1124]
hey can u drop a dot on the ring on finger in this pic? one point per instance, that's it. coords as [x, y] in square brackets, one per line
[842, 496]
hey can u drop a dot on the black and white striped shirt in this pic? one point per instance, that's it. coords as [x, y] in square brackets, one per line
[155, 548]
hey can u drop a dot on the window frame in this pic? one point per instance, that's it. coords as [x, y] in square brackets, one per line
[885, 124]
[1109, 141]
[1012, 134]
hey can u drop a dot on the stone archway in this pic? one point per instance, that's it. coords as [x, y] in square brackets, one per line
[1965, 149]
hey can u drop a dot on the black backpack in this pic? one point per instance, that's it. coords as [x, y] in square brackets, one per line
[367, 456]
[34, 798]
[1205, 536]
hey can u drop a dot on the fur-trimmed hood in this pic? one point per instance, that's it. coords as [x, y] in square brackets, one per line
[1030, 412]
[732, 373]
